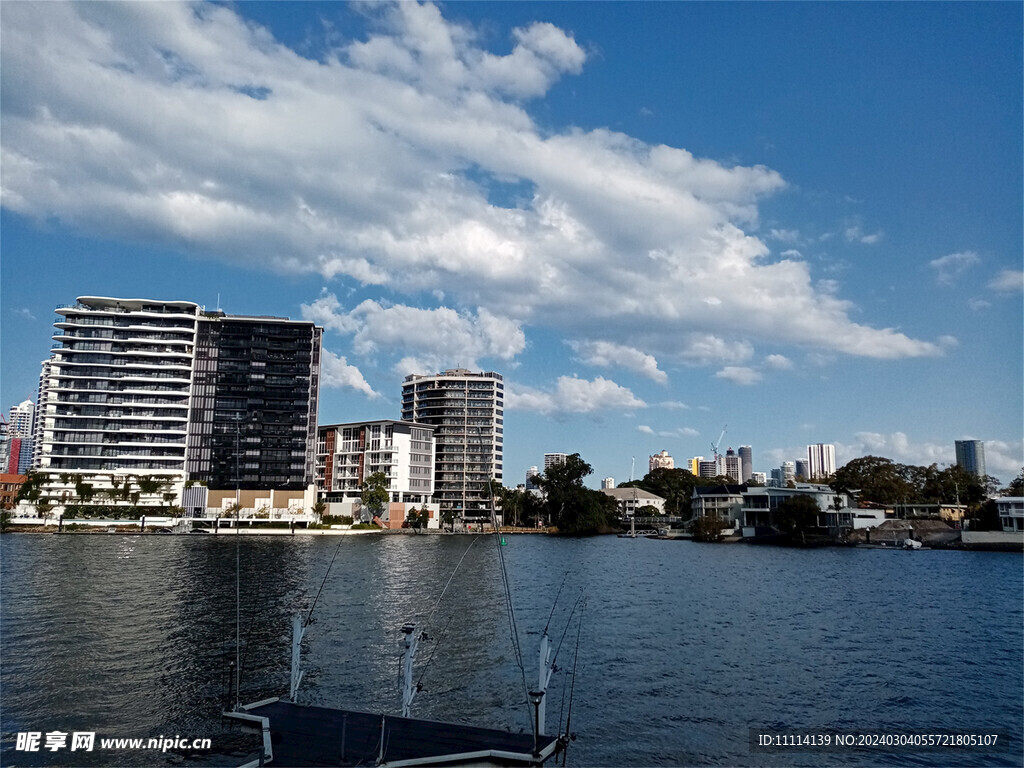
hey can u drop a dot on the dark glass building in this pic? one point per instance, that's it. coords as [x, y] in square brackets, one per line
[252, 421]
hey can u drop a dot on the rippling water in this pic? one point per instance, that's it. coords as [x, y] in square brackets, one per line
[684, 647]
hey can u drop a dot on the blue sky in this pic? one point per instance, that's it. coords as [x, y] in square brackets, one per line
[800, 220]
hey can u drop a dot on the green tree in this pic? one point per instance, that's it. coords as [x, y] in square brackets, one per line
[986, 517]
[875, 479]
[417, 518]
[32, 491]
[570, 506]
[675, 486]
[797, 515]
[375, 497]
[708, 528]
[319, 509]
[448, 518]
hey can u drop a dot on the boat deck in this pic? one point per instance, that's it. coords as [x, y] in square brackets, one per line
[302, 735]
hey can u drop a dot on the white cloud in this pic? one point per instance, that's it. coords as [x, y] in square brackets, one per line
[432, 339]
[189, 126]
[949, 268]
[1002, 459]
[674, 405]
[739, 374]
[978, 304]
[678, 432]
[779, 362]
[337, 373]
[1008, 281]
[789, 236]
[854, 234]
[609, 355]
[573, 395]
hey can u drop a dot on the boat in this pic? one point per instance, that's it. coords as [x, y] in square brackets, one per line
[295, 734]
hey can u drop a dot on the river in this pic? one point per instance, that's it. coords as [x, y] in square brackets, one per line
[683, 647]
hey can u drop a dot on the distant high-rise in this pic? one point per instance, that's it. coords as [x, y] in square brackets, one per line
[551, 459]
[531, 481]
[661, 461]
[21, 419]
[788, 472]
[822, 460]
[467, 411]
[608, 482]
[970, 454]
[746, 462]
[733, 466]
[803, 469]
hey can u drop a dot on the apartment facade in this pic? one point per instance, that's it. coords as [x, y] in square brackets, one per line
[466, 410]
[252, 420]
[123, 412]
[821, 460]
[662, 460]
[347, 454]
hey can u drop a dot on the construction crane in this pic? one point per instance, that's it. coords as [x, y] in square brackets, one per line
[718, 442]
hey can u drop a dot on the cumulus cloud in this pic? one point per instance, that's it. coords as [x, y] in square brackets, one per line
[190, 126]
[337, 373]
[854, 234]
[739, 374]
[1008, 281]
[779, 362]
[607, 354]
[678, 432]
[573, 395]
[429, 339]
[1002, 459]
[949, 268]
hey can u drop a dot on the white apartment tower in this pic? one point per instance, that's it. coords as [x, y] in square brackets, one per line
[117, 396]
[21, 420]
[466, 410]
[821, 459]
[661, 461]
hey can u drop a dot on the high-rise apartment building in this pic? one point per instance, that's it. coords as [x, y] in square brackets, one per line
[803, 469]
[252, 421]
[746, 463]
[970, 454]
[733, 466]
[145, 394]
[21, 420]
[551, 459]
[16, 451]
[661, 461]
[821, 458]
[467, 411]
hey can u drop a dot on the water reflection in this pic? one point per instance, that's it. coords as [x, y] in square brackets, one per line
[685, 646]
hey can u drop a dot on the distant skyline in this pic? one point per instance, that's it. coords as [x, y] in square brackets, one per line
[800, 220]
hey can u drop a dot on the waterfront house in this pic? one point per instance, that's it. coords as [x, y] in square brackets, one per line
[630, 500]
[1011, 513]
[759, 505]
[722, 501]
